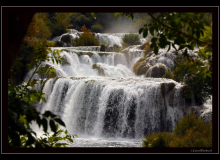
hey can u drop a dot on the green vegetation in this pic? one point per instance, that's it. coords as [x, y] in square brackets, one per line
[85, 39]
[189, 132]
[97, 28]
[131, 39]
[196, 81]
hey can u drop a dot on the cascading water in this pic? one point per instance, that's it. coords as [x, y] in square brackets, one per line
[98, 96]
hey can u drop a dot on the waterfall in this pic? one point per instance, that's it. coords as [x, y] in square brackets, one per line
[97, 94]
[114, 107]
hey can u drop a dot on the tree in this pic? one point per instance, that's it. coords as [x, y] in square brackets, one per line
[60, 22]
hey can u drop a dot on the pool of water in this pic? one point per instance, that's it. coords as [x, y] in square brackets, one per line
[105, 143]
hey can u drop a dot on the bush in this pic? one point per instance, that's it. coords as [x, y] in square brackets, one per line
[158, 139]
[85, 39]
[189, 132]
[131, 39]
[192, 74]
[58, 44]
[168, 74]
[97, 28]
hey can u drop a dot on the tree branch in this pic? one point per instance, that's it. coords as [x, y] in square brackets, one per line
[177, 30]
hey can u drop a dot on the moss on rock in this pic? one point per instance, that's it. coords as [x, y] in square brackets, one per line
[103, 54]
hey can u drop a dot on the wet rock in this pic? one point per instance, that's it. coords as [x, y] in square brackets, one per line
[103, 48]
[65, 61]
[166, 88]
[99, 68]
[156, 71]
[66, 39]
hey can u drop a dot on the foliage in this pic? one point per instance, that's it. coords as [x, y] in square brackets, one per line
[189, 132]
[97, 28]
[86, 38]
[42, 26]
[54, 140]
[60, 22]
[139, 23]
[168, 74]
[185, 29]
[192, 132]
[21, 100]
[194, 75]
[58, 44]
[38, 28]
[131, 39]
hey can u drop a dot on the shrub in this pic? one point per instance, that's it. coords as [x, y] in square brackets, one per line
[85, 39]
[58, 44]
[192, 132]
[168, 74]
[97, 28]
[192, 74]
[189, 132]
[158, 139]
[131, 39]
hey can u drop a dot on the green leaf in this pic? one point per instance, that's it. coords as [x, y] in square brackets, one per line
[169, 47]
[47, 114]
[52, 125]
[145, 33]
[185, 53]
[70, 140]
[153, 40]
[151, 30]
[43, 99]
[209, 74]
[93, 15]
[30, 140]
[181, 47]
[206, 23]
[202, 32]
[198, 34]
[38, 119]
[116, 15]
[75, 135]
[15, 138]
[44, 123]
[156, 49]
[173, 45]
[57, 126]
[141, 30]
[25, 99]
[58, 120]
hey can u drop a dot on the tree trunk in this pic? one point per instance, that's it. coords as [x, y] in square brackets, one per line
[17, 28]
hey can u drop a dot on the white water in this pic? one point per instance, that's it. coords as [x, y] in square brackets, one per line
[114, 110]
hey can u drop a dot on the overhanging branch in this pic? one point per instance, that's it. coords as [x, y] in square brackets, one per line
[177, 30]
